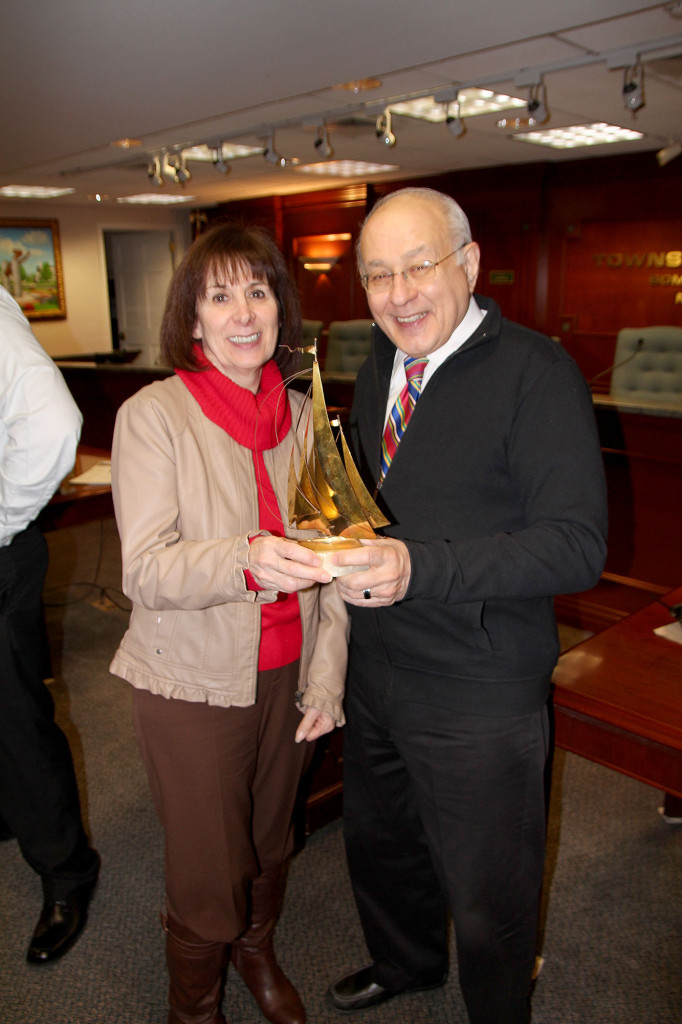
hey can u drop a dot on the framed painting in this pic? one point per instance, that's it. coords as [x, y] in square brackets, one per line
[31, 267]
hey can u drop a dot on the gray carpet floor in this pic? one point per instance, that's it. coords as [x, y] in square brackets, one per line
[612, 920]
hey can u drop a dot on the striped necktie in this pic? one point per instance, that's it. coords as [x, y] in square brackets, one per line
[402, 410]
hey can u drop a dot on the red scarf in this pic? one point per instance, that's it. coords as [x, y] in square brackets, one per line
[255, 421]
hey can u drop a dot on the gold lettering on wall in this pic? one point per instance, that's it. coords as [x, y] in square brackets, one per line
[617, 274]
[666, 279]
[672, 258]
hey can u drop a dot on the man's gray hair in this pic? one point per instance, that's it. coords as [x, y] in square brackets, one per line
[455, 217]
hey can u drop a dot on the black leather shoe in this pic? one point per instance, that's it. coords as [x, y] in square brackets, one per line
[359, 991]
[61, 922]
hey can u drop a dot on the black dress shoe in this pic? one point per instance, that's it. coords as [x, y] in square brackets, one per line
[359, 991]
[61, 922]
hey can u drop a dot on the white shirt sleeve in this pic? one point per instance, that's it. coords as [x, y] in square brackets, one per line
[39, 423]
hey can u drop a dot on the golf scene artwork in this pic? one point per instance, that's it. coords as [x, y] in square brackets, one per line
[31, 267]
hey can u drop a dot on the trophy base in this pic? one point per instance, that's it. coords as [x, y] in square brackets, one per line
[327, 546]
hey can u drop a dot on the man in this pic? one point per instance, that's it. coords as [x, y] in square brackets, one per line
[39, 802]
[496, 499]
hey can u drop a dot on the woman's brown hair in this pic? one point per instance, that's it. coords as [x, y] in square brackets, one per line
[231, 248]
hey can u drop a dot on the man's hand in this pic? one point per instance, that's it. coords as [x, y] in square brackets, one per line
[386, 579]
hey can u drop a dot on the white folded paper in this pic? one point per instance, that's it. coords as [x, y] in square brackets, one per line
[673, 631]
[98, 474]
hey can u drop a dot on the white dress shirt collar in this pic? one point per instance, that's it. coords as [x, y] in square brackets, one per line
[462, 332]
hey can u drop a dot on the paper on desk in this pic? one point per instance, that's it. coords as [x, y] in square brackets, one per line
[673, 631]
[98, 474]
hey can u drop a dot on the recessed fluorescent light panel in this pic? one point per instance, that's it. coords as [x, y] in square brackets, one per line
[471, 103]
[34, 192]
[579, 135]
[156, 199]
[346, 168]
[230, 151]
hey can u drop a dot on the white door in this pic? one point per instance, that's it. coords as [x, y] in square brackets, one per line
[141, 264]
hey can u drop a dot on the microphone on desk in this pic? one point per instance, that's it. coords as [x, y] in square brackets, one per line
[616, 366]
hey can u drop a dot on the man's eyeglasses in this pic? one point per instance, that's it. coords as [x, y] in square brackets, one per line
[381, 280]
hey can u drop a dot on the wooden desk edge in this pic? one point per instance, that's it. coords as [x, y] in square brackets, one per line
[625, 740]
[638, 757]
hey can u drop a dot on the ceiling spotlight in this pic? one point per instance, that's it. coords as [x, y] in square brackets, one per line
[537, 107]
[452, 118]
[219, 161]
[668, 153]
[633, 88]
[175, 167]
[383, 129]
[270, 154]
[154, 171]
[181, 173]
[322, 144]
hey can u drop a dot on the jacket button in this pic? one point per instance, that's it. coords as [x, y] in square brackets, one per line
[159, 651]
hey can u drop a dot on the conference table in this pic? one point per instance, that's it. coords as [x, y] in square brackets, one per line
[618, 698]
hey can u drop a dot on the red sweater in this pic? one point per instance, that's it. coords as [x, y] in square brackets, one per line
[257, 422]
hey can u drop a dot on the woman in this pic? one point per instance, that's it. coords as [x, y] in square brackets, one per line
[229, 630]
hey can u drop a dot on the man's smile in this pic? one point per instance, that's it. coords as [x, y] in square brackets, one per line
[410, 319]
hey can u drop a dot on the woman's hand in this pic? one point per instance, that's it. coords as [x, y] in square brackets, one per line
[277, 563]
[315, 724]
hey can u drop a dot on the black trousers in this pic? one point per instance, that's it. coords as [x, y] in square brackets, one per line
[39, 798]
[445, 811]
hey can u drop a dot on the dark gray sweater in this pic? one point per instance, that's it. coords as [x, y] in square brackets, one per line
[498, 490]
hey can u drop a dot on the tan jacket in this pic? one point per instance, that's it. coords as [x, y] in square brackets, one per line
[186, 503]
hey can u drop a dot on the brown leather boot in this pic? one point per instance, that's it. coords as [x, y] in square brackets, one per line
[254, 957]
[197, 973]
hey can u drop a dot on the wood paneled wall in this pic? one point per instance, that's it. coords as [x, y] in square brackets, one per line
[577, 249]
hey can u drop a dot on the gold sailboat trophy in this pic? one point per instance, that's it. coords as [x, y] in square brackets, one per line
[326, 493]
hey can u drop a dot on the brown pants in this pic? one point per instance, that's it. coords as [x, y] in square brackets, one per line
[224, 782]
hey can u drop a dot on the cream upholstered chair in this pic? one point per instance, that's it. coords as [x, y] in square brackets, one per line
[348, 345]
[651, 369]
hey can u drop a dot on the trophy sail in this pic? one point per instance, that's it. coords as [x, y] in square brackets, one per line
[326, 493]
